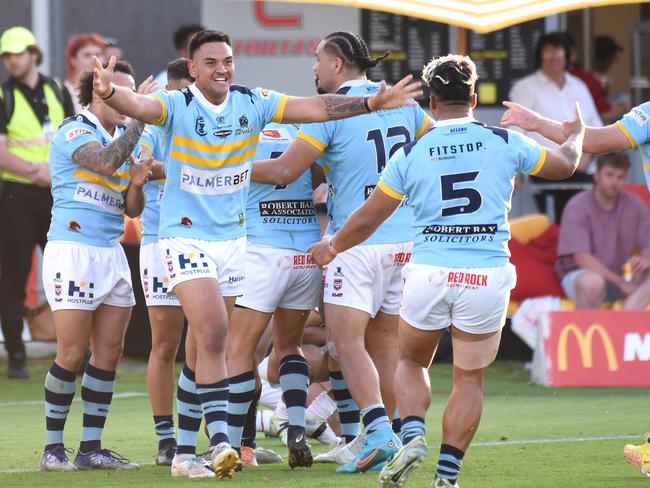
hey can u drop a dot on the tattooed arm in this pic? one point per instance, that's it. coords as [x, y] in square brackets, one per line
[106, 159]
[331, 107]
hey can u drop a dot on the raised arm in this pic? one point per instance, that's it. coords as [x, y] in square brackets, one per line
[138, 106]
[106, 159]
[357, 228]
[286, 168]
[562, 162]
[135, 199]
[596, 140]
[330, 107]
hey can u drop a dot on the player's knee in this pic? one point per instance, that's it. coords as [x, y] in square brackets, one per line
[165, 350]
[70, 358]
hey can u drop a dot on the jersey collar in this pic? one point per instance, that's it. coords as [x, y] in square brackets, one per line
[352, 83]
[458, 121]
[93, 118]
[217, 109]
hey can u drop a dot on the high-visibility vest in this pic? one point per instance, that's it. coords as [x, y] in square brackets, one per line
[27, 138]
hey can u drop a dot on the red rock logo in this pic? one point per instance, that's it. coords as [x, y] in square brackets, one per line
[74, 226]
[186, 222]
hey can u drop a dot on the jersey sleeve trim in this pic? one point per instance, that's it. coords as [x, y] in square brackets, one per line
[279, 112]
[311, 140]
[163, 116]
[423, 127]
[540, 162]
[626, 133]
[389, 191]
[146, 144]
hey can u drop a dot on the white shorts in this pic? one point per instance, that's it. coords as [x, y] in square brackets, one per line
[475, 300]
[368, 277]
[155, 278]
[280, 278]
[82, 276]
[189, 259]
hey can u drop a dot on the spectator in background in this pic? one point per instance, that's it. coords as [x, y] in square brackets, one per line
[32, 106]
[605, 53]
[599, 234]
[79, 58]
[552, 92]
[182, 37]
[112, 48]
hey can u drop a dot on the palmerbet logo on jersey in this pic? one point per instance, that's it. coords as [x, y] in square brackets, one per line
[214, 182]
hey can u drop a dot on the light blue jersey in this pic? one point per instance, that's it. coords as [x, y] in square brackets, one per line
[459, 179]
[281, 216]
[152, 138]
[88, 207]
[355, 151]
[636, 126]
[209, 163]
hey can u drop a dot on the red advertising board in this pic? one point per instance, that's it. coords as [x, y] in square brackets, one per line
[596, 348]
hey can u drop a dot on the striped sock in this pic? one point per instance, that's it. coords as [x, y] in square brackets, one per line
[96, 392]
[348, 409]
[190, 412]
[164, 426]
[412, 426]
[214, 400]
[241, 393]
[60, 385]
[294, 380]
[375, 418]
[250, 426]
[449, 463]
[396, 422]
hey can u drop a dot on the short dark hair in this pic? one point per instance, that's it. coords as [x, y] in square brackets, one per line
[183, 34]
[86, 81]
[179, 70]
[205, 36]
[555, 39]
[451, 78]
[352, 50]
[618, 160]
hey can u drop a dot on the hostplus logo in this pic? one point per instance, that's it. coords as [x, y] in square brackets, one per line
[193, 263]
[82, 292]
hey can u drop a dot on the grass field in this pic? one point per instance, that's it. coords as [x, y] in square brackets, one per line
[530, 436]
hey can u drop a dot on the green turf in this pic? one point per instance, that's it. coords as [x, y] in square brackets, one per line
[514, 411]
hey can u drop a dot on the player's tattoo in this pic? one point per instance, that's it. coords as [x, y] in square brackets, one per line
[106, 159]
[339, 106]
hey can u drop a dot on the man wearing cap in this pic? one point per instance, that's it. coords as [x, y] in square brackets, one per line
[32, 106]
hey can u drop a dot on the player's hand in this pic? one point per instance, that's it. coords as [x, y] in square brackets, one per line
[147, 86]
[398, 95]
[103, 77]
[321, 252]
[575, 126]
[520, 116]
[639, 264]
[140, 173]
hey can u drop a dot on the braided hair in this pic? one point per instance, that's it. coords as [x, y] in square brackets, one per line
[352, 50]
[451, 78]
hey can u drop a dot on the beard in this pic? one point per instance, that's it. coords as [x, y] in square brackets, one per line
[319, 90]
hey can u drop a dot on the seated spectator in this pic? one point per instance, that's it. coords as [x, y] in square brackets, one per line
[79, 58]
[601, 230]
[112, 48]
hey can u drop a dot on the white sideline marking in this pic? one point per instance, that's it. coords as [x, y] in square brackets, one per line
[126, 394]
[556, 440]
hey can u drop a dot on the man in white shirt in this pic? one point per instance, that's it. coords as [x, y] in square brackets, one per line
[552, 91]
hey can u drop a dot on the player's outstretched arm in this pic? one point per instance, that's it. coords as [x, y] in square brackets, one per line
[357, 228]
[597, 140]
[135, 198]
[331, 107]
[286, 168]
[138, 106]
[562, 162]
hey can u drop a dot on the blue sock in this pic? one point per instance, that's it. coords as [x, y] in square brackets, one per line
[396, 423]
[214, 400]
[60, 385]
[96, 392]
[347, 407]
[190, 412]
[412, 426]
[164, 426]
[294, 380]
[241, 394]
[449, 463]
[375, 418]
